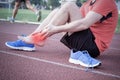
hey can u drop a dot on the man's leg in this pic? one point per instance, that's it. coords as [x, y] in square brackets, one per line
[41, 26]
[68, 12]
[62, 16]
[37, 12]
[29, 6]
[15, 10]
[46, 21]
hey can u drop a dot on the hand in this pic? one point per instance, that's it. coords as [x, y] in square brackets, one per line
[48, 31]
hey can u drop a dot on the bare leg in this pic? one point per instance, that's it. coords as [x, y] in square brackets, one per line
[46, 21]
[29, 6]
[15, 10]
[67, 12]
[41, 26]
[37, 12]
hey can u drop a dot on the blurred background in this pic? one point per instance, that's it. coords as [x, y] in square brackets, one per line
[46, 6]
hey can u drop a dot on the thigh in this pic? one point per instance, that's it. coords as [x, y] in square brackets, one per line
[51, 15]
[27, 2]
[17, 4]
[82, 40]
[74, 11]
[76, 40]
[19, 1]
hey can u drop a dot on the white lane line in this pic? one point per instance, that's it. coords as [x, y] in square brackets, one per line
[59, 64]
[114, 48]
[18, 21]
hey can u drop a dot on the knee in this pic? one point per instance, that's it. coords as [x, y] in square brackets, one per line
[16, 6]
[68, 6]
[28, 6]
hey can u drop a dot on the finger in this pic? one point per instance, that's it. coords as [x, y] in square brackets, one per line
[44, 32]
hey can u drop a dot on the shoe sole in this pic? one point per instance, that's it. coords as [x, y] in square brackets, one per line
[21, 48]
[82, 64]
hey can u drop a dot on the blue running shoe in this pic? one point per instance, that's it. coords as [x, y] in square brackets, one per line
[74, 57]
[20, 45]
[84, 59]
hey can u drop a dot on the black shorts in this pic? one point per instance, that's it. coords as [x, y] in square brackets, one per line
[20, 0]
[82, 40]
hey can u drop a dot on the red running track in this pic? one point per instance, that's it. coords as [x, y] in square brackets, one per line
[51, 61]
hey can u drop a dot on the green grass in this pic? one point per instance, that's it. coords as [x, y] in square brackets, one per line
[27, 15]
[23, 14]
[118, 26]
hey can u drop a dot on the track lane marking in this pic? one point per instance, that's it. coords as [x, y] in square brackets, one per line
[59, 64]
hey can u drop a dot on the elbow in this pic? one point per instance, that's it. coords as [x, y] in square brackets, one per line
[84, 26]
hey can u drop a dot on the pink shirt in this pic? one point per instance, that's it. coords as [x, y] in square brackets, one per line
[103, 31]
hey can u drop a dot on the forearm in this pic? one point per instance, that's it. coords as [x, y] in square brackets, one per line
[46, 21]
[72, 27]
[82, 24]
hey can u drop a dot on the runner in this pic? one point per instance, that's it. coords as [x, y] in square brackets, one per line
[28, 5]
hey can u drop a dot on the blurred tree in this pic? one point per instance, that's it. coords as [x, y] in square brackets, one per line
[53, 4]
[78, 3]
[82, 1]
[36, 2]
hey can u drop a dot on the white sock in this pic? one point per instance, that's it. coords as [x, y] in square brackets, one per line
[37, 12]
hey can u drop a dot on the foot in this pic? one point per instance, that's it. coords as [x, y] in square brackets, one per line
[20, 45]
[84, 59]
[29, 40]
